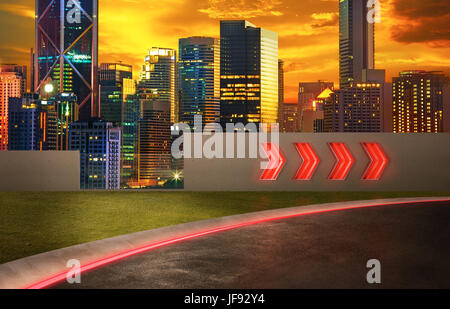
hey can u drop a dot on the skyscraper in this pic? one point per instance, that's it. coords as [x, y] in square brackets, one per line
[356, 41]
[199, 79]
[32, 123]
[158, 79]
[280, 90]
[99, 145]
[418, 102]
[357, 108]
[12, 85]
[154, 153]
[249, 73]
[67, 50]
[112, 90]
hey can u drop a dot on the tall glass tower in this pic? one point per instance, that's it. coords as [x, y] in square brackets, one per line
[199, 79]
[158, 79]
[67, 49]
[248, 73]
[356, 41]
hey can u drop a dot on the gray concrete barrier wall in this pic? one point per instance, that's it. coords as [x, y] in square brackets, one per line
[417, 162]
[39, 170]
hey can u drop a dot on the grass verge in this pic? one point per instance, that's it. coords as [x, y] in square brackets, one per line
[32, 223]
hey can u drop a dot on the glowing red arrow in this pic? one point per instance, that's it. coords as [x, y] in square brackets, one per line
[276, 162]
[344, 161]
[378, 161]
[310, 161]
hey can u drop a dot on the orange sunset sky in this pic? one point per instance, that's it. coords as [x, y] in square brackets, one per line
[413, 34]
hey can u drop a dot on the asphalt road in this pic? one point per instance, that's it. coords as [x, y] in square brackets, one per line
[328, 250]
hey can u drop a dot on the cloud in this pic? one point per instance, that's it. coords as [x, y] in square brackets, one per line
[325, 20]
[422, 22]
[221, 9]
[18, 9]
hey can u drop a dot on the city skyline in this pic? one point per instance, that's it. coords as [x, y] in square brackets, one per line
[308, 32]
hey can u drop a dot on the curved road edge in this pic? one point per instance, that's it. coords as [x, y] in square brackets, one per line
[43, 270]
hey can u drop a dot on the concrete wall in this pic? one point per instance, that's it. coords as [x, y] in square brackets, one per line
[39, 170]
[418, 162]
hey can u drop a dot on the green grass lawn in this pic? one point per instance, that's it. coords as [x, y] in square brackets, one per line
[32, 223]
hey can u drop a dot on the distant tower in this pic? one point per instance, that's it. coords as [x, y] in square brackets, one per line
[67, 50]
[249, 73]
[356, 41]
[280, 90]
[158, 79]
[12, 85]
[199, 79]
[113, 92]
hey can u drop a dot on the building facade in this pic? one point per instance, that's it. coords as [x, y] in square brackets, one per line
[357, 108]
[418, 102]
[154, 145]
[99, 145]
[12, 85]
[199, 80]
[356, 41]
[158, 79]
[249, 73]
[113, 92]
[66, 50]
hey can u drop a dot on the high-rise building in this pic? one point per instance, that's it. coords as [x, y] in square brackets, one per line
[99, 145]
[290, 119]
[67, 112]
[311, 96]
[356, 41]
[32, 123]
[249, 73]
[357, 108]
[130, 138]
[112, 90]
[199, 80]
[418, 102]
[312, 116]
[154, 150]
[280, 90]
[67, 50]
[12, 85]
[158, 79]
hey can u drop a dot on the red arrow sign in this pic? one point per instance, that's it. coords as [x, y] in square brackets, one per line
[310, 161]
[378, 161]
[344, 161]
[276, 162]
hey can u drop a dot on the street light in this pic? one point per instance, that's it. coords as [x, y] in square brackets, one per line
[48, 88]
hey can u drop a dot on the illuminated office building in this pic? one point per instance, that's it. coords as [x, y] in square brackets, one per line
[130, 137]
[280, 90]
[199, 79]
[311, 96]
[356, 41]
[12, 85]
[154, 145]
[290, 118]
[32, 124]
[418, 102]
[249, 73]
[112, 90]
[67, 112]
[158, 79]
[99, 145]
[357, 108]
[67, 50]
